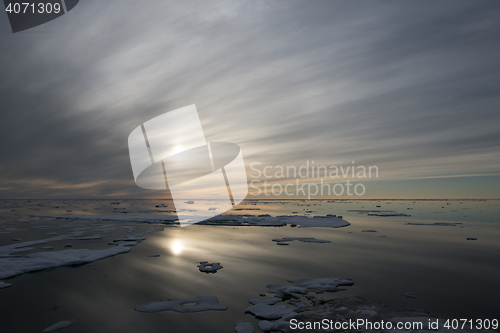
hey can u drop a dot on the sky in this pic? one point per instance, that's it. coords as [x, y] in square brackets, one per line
[409, 87]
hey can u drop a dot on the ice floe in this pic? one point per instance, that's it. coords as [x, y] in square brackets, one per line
[12, 264]
[271, 301]
[309, 309]
[321, 285]
[243, 327]
[300, 239]
[443, 224]
[57, 326]
[229, 220]
[4, 285]
[207, 267]
[141, 219]
[10, 267]
[277, 221]
[268, 311]
[204, 303]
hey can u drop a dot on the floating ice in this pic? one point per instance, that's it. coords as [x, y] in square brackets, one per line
[387, 215]
[4, 285]
[339, 309]
[125, 243]
[285, 290]
[443, 224]
[321, 285]
[271, 301]
[57, 326]
[20, 247]
[142, 219]
[204, 303]
[47, 247]
[87, 237]
[278, 326]
[278, 221]
[229, 220]
[266, 311]
[206, 267]
[37, 261]
[301, 239]
[243, 327]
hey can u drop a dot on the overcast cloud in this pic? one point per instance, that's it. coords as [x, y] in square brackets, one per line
[412, 87]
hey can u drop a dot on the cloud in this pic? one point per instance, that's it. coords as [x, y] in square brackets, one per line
[408, 87]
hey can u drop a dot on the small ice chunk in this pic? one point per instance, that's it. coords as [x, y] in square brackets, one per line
[471, 238]
[271, 301]
[57, 326]
[266, 311]
[281, 289]
[125, 243]
[47, 247]
[153, 255]
[129, 239]
[206, 267]
[443, 224]
[190, 202]
[243, 327]
[4, 285]
[280, 326]
[16, 239]
[369, 231]
[204, 303]
[321, 285]
[282, 243]
[68, 245]
[87, 237]
[366, 314]
[301, 239]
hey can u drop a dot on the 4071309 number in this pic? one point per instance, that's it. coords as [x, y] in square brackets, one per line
[31, 7]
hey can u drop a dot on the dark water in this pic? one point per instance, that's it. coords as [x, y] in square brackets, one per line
[453, 277]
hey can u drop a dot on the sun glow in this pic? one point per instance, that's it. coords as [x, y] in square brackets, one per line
[176, 247]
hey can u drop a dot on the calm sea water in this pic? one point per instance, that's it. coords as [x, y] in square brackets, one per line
[452, 276]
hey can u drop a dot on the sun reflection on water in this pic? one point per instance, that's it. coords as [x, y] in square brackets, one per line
[176, 247]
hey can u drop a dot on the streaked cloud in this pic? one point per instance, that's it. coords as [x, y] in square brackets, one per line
[410, 87]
